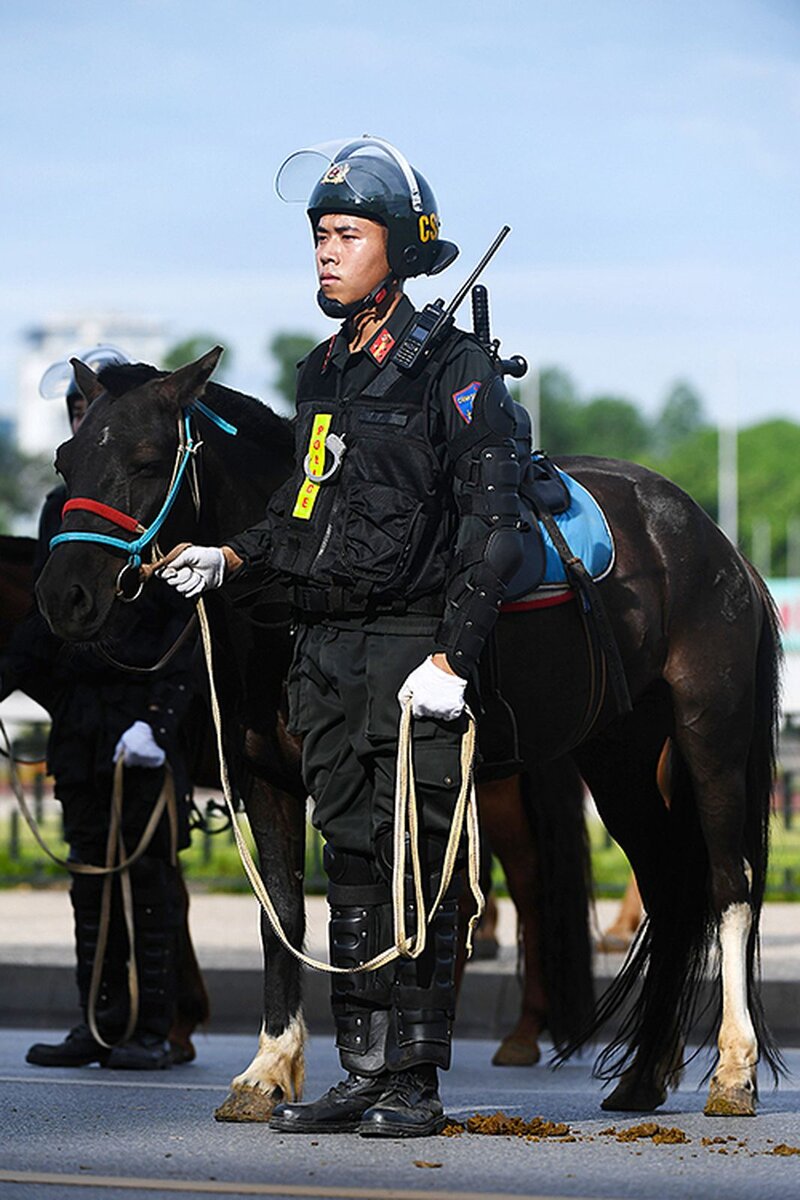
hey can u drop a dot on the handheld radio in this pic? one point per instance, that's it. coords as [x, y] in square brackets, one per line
[435, 319]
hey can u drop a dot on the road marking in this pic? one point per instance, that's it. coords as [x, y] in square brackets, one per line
[120, 1083]
[222, 1187]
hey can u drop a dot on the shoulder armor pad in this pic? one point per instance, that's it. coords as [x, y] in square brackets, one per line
[498, 407]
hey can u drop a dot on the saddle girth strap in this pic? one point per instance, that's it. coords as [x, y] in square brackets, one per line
[592, 606]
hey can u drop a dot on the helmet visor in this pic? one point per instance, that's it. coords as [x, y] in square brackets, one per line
[366, 169]
[57, 379]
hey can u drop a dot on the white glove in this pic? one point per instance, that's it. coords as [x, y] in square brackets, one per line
[138, 748]
[195, 570]
[433, 692]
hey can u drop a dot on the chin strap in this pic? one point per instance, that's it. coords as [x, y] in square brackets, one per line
[342, 312]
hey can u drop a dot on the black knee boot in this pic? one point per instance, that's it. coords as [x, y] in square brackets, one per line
[80, 1047]
[420, 1032]
[156, 912]
[360, 926]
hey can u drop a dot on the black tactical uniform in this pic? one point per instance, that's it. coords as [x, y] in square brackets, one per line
[406, 552]
[91, 705]
[396, 535]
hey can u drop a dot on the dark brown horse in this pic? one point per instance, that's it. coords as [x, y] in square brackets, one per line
[697, 636]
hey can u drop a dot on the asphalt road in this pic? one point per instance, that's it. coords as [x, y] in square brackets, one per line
[98, 1135]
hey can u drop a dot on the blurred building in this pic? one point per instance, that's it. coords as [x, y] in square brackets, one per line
[42, 424]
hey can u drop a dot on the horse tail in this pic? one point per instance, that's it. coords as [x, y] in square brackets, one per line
[760, 775]
[554, 800]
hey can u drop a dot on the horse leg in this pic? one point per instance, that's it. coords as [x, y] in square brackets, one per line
[509, 833]
[276, 1073]
[621, 932]
[191, 1008]
[622, 773]
[714, 731]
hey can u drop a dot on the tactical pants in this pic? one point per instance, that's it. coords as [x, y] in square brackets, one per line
[156, 903]
[343, 701]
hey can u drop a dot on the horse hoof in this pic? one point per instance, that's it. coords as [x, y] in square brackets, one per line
[245, 1104]
[181, 1053]
[517, 1052]
[730, 1101]
[629, 1097]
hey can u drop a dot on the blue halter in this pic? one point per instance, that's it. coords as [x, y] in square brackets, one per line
[187, 450]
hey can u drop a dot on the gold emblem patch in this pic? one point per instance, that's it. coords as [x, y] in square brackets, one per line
[336, 173]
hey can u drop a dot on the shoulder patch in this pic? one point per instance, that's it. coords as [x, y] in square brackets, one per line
[465, 398]
[381, 346]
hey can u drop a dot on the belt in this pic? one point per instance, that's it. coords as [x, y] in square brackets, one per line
[309, 602]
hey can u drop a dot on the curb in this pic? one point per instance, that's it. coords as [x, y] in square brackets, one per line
[43, 996]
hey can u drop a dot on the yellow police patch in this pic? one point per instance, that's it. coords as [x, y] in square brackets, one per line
[315, 463]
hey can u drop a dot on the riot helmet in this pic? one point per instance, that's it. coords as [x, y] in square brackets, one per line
[58, 381]
[368, 177]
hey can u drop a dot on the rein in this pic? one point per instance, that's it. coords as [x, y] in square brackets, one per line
[188, 447]
[116, 864]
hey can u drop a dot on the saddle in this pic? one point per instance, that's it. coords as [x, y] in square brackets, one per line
[562, 515]
[569, 547]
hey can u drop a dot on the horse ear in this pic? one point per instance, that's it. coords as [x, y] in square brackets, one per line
[89, 385]
[189, 382]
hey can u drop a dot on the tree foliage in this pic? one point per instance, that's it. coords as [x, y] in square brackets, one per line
[24, 479]
[287, 349]
[194, 347]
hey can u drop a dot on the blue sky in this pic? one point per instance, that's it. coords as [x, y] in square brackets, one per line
[647, 155]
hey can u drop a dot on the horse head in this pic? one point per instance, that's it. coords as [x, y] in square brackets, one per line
[117, 469]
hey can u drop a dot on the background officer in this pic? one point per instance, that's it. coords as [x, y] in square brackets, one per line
[396, 534]
[98, 714]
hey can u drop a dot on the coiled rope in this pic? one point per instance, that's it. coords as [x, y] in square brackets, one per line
[465, 815]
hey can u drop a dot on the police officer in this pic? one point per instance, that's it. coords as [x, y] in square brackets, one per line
[396, 534]
[98, 715]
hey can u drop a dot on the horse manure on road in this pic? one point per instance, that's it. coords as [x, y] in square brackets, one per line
[661, 1135]
[499, 1124]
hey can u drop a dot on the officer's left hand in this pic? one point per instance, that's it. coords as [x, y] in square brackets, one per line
[138, 748]
[433, 692]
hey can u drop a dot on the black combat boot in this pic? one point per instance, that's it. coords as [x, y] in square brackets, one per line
[420, 1032]
[410, 1106]
[339, 1111]
[360, 926]
[156, 915]
[78, 1049]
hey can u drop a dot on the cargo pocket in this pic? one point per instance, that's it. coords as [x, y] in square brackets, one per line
[437, 771]
[381, 524]
[389, 662]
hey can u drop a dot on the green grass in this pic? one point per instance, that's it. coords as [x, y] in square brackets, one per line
[213, 862]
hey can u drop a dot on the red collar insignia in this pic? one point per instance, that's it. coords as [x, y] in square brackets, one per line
[381, 346]
[328, 354]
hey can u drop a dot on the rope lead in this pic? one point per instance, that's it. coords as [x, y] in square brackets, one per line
[465, 814]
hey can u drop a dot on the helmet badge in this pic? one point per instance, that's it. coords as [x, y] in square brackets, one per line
[336, 173]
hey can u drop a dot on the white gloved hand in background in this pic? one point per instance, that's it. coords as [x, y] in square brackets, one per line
[433, 692]
[196, 569]
[138, 747]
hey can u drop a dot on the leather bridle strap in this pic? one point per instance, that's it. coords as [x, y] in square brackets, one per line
[105, 511]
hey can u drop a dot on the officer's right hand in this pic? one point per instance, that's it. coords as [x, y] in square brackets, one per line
[138, 748]
[433, 692]
[196, 569]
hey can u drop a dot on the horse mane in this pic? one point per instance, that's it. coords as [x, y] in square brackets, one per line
[251, 416]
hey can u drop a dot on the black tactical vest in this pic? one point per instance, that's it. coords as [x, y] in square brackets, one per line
[379, 529]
